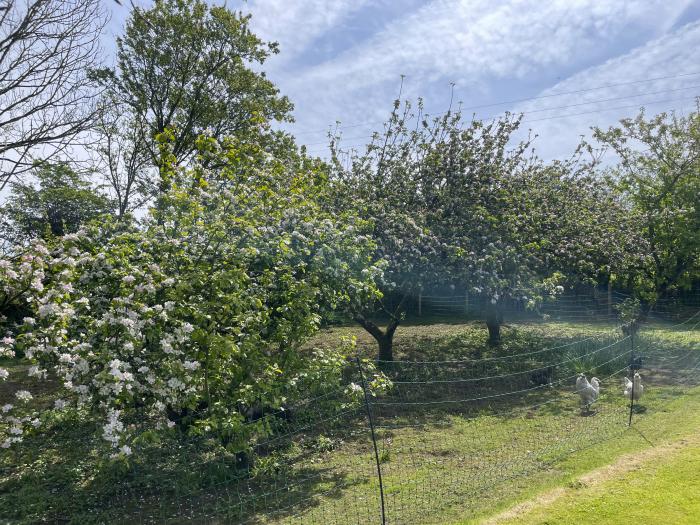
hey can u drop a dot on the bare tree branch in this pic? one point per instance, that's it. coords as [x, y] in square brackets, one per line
[47, 98]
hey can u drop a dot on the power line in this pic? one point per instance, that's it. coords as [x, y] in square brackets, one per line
[526, 99]
[578, 104]
[611, 109]
[602, 110]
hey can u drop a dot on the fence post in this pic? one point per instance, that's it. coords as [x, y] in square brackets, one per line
[632, 367]
[370, 418]
[609, 298]
[420, 304]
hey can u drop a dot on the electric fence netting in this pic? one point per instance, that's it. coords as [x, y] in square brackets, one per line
[599, 306]
[438, 441]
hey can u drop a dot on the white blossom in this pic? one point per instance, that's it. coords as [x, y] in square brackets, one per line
[191, 365]
[113, 427]
[47, 309]
[23, 395]
[35, 371]
[176, 384]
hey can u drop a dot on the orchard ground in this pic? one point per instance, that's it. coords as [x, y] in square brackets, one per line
[63, 479]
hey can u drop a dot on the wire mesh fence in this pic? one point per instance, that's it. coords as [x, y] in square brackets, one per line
[593, 304]
[442, 438]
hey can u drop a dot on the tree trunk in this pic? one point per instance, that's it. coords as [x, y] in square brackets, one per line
[386, 347]
[494, 320]
[385, 339]
[645, 307]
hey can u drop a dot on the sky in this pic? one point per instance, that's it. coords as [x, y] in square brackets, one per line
[566, 65]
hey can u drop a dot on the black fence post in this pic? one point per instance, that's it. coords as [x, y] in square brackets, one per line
[632, 372]
[370, 418]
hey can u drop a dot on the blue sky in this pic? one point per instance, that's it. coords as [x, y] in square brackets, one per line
[581, 62]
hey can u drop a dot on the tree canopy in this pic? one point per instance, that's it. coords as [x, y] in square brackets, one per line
[659, 177]
[187, 67]
[58, 204]
[196, 316]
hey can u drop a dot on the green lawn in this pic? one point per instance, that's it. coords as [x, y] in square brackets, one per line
[456, 463]
[663, 488]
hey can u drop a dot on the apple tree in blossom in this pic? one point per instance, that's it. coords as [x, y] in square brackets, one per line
[195, 317]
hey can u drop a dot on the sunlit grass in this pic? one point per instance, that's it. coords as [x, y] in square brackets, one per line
[439, 466]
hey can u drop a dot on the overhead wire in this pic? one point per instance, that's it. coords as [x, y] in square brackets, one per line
[316, 147]
[527, 99]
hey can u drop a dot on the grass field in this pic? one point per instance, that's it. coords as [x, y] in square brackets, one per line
[658, 485]
[441, 464]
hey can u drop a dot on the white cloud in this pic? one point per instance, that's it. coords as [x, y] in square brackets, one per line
[475, 43]
[492, 50]
[296, 24]
[463, 40]
[664, 68]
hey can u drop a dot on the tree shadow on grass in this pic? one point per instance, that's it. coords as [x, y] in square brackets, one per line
[62, 476]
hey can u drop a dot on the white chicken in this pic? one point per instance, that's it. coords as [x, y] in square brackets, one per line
[637, 387]
[587, 391]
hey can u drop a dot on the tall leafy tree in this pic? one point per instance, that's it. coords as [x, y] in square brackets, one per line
[659, 175]
[461, 203]
[578, 221]
[59, 203]
[382, 186]
[121, 157]
[479, 205]
[190, 68]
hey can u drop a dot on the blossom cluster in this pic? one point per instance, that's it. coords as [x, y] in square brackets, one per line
[192, 316]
